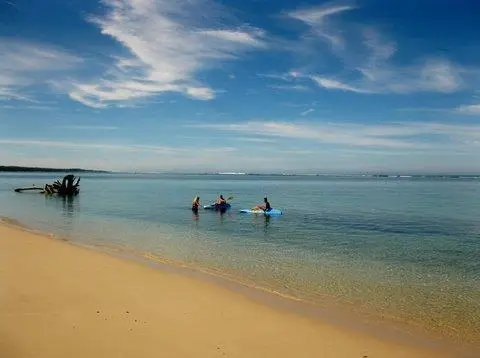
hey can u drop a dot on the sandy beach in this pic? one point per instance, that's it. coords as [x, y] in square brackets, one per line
[61, 300]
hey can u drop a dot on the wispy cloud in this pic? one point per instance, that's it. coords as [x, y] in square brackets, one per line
[25, 64]
[288, 77]
[394, 135]
[121, 147]
[332, 84]
[317, 18]
[117, 156]
[317, 15]
[255, 140]
[89, 127]
[422, 109]
[367, 58]
[308, 111]
[299, 105]
[79, 145]
[472, 109]
[291, 78]
[33, 107]
[167, 45]
[292, 87]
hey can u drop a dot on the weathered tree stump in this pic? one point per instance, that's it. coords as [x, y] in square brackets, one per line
[68, 187]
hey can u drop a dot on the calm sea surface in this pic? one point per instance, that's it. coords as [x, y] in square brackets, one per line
[403, 248]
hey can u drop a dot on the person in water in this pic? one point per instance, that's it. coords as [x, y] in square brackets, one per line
[196, 203]
[220, 201]
[265, 207]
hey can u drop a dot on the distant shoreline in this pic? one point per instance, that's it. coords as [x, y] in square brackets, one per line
[19, 169]
[48, 170]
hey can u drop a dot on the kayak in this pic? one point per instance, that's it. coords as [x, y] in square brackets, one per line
[218, 207]
[272, 212]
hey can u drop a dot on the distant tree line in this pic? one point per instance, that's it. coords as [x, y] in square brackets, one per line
[47, 170]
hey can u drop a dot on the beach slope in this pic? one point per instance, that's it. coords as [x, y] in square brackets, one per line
[61, 300]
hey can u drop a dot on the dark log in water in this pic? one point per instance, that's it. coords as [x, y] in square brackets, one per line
[19, 190]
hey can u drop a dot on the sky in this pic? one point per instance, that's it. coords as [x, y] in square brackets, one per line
[243, 86]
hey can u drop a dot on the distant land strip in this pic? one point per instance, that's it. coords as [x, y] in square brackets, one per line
[48, 170]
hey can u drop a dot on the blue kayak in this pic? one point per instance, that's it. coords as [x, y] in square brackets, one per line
[272, 212]
[218, 207]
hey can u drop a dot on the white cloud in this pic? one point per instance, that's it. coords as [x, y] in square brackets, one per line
[299, 105]
[439, 75]
[472, 109]
[292, 87]
[246, 38]
[368, 58]
[422, 109]
[255, 140]
[88, 127]
[116, 156]
[315, 16]
[332, 84]
[288, 77]
[304, 146]
[394, 135]
[434, 75]
[308, 111]
[74, 145]
[380, 48]
[33, 107]
[202, 93]
[167, 45]
[25, 64]
[87, 146]
[292, 77]
[317, 19]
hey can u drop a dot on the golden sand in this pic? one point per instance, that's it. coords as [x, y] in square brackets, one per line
[61, 300]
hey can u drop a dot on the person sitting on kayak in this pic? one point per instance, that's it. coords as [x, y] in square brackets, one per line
[196, 203]
[264, 207]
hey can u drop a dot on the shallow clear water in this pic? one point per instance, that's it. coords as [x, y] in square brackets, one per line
[404, 248]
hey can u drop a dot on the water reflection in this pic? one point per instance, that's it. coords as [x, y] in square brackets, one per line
[68, 206]
[267, 222]
[195, 215]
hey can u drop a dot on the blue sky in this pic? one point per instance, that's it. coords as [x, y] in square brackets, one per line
[253, 85]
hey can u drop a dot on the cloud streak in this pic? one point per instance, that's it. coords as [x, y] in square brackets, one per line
[388, 136]
[85, 146]
[433, 76]
[308, 111]
[89, 127]
[167, 45]
[317, 18]
[368, 58]
[472, 109]
[24, 65]
[292, 87]
[336, 85]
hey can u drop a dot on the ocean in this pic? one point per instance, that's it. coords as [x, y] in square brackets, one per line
[400, 249]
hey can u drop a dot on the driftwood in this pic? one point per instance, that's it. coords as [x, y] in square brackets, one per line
[68, 187]
[19, 190]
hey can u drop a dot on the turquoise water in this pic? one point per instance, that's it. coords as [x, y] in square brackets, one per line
[405, 249]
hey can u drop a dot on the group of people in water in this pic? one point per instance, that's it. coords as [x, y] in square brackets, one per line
[221, 204]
